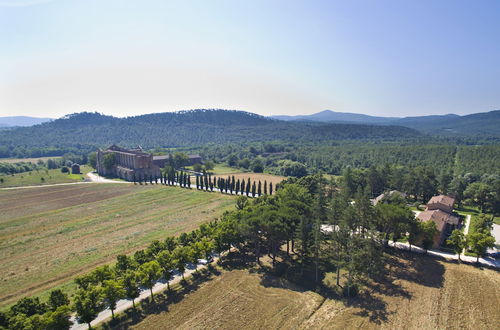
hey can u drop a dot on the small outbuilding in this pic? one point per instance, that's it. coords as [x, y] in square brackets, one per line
[75, 169]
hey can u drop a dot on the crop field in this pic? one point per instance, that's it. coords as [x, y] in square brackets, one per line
[49, 235]
[42, 177]
[419, 293]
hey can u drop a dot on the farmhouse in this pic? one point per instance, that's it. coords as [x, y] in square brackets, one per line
[439, 209]
[161, 161]
[75, 169]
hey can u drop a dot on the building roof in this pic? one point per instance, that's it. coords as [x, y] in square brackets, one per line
[439, 217]
[442, 199]
[136, 151]
[390, 193]
[167, 157]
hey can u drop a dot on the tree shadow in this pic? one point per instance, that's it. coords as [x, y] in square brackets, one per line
[421, 269]
[162, 300]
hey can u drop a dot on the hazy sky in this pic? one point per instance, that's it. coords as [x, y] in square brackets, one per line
[123, 57]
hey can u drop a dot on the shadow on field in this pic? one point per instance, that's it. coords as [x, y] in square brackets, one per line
[162, 300]
[400, 265]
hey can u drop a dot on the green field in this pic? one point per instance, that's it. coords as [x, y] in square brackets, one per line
[42, 177]
[49, 235]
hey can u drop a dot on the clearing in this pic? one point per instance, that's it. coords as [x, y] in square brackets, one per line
[49, 235]
[419, 293]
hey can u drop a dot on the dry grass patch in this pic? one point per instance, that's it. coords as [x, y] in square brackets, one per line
[418, 293]
[65, 231]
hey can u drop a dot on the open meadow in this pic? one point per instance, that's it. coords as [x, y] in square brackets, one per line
[42, 177]
[49, 235]
[418, 293]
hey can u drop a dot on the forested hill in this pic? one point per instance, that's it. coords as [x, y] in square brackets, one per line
[484, 124]
[86, 131]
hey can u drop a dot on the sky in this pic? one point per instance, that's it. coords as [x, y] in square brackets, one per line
[271, 57]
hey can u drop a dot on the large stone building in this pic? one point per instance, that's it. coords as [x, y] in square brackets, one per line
[130, 163]
[127, 163]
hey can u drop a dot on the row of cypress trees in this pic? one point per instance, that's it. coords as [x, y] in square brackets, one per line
[208, 182]
[171, 178]
[232, 186]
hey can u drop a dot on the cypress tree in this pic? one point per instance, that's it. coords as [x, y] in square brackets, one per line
[248, 187]
[265, 187]
[259, 189]
[228, 184]
[253, 189]
[270, 188]
[242, 187]
[197, 182]
[201, 183]
[206, 182]
[133, 178]
[156, 179]
[237, 186]
[189, 181]
[233, 184]
[151, 178]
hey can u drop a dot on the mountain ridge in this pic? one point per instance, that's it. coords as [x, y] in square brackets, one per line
[22, 121]
[477, 124]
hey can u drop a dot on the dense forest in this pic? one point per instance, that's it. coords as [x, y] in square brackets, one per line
[87, 131]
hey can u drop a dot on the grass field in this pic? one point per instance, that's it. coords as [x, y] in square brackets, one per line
[48, 235]
[419, 293]
[26, 160]
[42, 177]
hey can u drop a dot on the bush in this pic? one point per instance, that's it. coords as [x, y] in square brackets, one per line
[257, 166]
[64, 169]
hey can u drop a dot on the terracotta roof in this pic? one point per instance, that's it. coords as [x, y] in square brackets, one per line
[439, 217]
[442, 199]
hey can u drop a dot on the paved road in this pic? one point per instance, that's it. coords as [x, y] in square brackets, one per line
[485, 261]
[466, 229]
[125, 304]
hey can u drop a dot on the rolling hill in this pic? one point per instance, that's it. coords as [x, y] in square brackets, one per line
[86, 131]
[478, 124]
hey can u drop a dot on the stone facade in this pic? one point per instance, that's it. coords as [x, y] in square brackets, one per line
[128, 163]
